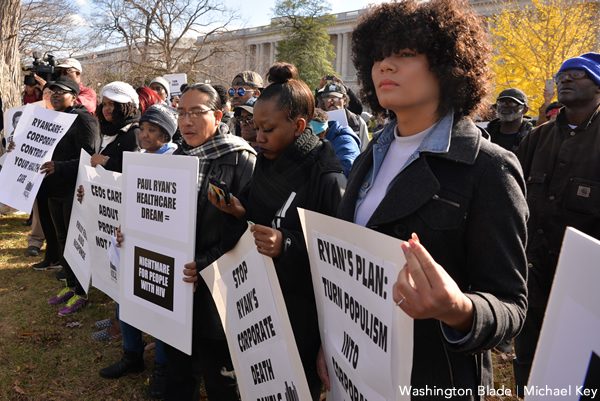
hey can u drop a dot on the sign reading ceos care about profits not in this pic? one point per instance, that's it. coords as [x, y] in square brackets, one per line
[159, 229]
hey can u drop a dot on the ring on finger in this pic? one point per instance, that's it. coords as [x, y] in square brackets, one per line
[400, 302]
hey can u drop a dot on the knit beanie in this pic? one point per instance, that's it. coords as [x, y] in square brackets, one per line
[164, 83]
[163, 116]
[588, 62]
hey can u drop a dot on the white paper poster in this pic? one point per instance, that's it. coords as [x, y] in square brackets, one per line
[159, 229]
[265, 357]
[36, 136]
[367, 339]
[77, 249]
[175, 81]
[339, 116]
[103, 202]
[12, 118]
[567, 358]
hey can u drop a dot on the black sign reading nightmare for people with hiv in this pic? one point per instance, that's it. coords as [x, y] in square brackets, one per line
[153, 277]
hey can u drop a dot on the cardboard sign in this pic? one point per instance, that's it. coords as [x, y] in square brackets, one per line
[265, 357]
[175, 81]
[367, 339]
[159, 229]
[566, 364]
[36, 136]
[77, 247]
[339, 116]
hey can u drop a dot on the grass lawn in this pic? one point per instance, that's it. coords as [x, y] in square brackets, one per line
[42, 358]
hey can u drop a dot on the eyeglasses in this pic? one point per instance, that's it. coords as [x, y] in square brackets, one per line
[249, 120]
[240, 91]
[59, 92]
[572, 74]
[196, 113]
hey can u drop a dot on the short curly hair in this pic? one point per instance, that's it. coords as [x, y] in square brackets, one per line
[447, 32]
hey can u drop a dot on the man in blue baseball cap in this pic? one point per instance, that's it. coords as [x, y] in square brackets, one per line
[561, 163]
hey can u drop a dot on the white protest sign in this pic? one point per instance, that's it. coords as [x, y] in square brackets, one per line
[567, 358]
[175, 81]
[265, 357]
[12, 118]
[104, 206]
[339, 116]
[159, 228]
[77, 248]
[36, 136]
[367, 339]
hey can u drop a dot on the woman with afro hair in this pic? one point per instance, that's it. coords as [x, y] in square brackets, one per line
[430, 178]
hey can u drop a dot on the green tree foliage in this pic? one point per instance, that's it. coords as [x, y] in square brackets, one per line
[307, 44]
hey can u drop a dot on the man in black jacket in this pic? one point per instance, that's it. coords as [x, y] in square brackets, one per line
[511, 126]
[59, 184]
[561, 163]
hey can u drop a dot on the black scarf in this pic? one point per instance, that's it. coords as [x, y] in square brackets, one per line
[274, 180]
[112, 129]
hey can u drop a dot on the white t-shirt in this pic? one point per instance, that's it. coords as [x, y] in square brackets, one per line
[393, 163]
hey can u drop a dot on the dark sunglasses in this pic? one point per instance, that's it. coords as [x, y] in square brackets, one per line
[240, 91]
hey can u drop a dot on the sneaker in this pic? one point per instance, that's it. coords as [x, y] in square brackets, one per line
[45, 265]
[158, 382]
[75, 303]
[104, 335]
[63, 296]
[129, 363]
[103, 324]
[32, 251]
[61, 275]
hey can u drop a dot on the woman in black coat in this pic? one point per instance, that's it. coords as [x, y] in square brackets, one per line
[119, 117]
[294, 169]
[431, 179]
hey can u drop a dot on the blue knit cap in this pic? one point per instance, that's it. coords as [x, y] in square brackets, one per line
[588, 62]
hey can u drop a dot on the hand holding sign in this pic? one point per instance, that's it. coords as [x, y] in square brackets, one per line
[322, 369]
[98, 159]
[425, 291]
[47, 168]
[190, 271]
[268, 240]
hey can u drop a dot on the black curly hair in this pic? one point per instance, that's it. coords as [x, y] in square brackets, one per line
[447, 32]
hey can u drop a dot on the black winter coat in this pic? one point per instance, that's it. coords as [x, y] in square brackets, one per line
[126, 141]
[83, 134]
[468, 208]
[235, 170]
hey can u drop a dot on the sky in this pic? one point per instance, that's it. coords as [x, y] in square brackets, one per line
[259, 12]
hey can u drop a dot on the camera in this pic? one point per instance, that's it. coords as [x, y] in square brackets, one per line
[44, 67]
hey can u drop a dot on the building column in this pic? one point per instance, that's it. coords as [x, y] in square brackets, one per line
[338, 54]
[272, 56]
[345, 56]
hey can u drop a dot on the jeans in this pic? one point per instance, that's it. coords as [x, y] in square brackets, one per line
[132, 343]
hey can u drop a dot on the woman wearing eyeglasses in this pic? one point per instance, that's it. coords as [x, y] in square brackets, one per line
[231, 160]
[294, 169]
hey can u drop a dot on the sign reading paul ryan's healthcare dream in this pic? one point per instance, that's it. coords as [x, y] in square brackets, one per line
[265, 357]
[103, 198]
[567, 363]
[159, 228]
[367, 339]
[77, 246]
[36, 136]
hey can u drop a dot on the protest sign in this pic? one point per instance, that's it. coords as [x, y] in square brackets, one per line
[159, 229]
[339, 116]
[367, 339]
[36, 136]
[265, 357]
[103, 200]
[567, 362]
[175, 81]
[12, 117]
[77, 248]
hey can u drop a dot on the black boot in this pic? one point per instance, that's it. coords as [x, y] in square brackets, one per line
[129, 363]
[158, 382]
